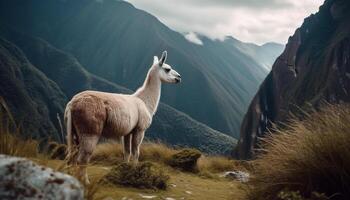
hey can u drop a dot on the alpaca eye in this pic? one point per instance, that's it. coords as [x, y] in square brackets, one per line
[167, 70]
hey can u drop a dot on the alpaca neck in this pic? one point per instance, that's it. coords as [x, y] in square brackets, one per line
[149, 92]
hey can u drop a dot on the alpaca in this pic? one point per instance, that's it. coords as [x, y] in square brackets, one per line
[92, 114]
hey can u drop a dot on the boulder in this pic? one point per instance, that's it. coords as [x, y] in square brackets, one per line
[23, 179]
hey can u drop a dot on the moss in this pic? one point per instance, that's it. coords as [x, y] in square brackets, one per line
[186, 160]
[143, 175]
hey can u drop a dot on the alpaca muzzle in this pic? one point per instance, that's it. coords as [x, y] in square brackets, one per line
[178, 79]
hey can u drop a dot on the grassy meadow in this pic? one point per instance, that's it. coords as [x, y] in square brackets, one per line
[204, 184]
[306, 160]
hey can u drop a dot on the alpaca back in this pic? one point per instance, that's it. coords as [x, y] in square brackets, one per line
[106, 114]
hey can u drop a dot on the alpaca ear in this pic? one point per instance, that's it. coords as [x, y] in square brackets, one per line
[163, 58]
[155, 60]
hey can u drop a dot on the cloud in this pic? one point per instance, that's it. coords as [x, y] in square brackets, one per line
[257, 21]
[192, 37]
[237, 3]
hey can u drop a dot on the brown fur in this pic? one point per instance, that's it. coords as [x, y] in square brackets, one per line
[92, 114]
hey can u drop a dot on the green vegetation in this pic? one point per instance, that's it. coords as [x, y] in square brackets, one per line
[310, 156]
[142, 175]
[57, 76]
[307, 160]
[111, 153]
[186, 160]
[130, 181]
[220, 71]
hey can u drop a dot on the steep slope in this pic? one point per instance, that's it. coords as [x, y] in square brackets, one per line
[32, 98]
[116, 41]
[314, 67]
[169, 125]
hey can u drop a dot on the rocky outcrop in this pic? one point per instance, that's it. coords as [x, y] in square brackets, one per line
[314, 67]
[240, 176]
[22, 179]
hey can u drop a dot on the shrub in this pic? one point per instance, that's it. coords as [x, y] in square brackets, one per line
[57, 151]
[309, 155]
[143, 175]
[186, 160]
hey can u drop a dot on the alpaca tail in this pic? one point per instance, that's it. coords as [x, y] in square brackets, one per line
[71, 137]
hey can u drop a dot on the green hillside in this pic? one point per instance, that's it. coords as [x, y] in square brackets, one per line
[169, 125]
[116, 41]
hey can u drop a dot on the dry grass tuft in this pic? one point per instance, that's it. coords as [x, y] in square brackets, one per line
[157, 152]
[59, 152]
[112, 153]
[216, 164]
[15, 146]
[308, 156]
[56, 150]
[10, 142]
[108, 153]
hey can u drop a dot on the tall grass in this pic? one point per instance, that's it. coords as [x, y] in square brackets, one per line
[10, 142]
[308, 156]
[216, 164]
[112, 153]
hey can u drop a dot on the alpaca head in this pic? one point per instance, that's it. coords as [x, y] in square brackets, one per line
[165, 72]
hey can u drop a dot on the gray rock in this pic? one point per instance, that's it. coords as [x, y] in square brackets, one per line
[23, 179]
[237, 175]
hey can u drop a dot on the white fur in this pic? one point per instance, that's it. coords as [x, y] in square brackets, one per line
[92, 114]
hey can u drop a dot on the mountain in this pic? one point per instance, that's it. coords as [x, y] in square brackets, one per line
[68, 77]
[34, 100]
[265, 54]
[313, 68]
[115, 41]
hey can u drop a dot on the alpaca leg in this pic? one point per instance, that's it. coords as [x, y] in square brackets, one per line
[127, 147]
[72, 155]
[136, 143]
[87, 145]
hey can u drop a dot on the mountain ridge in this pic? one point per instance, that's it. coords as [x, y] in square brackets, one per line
[312, 69]
[108, 44]
[169, 125]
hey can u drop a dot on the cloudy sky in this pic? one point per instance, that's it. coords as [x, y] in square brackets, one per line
[257, 21]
